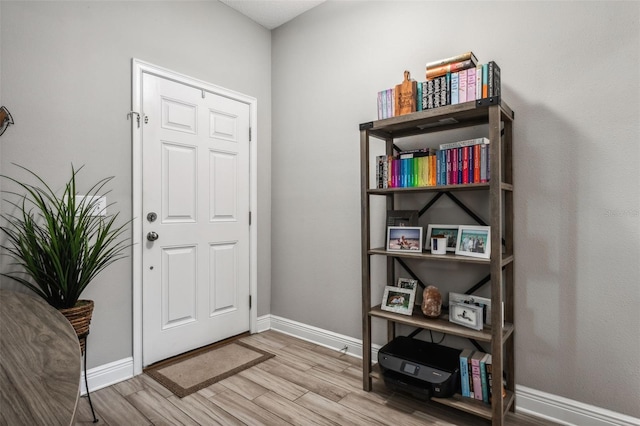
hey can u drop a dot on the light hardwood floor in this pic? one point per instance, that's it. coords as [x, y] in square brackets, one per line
[304, 384]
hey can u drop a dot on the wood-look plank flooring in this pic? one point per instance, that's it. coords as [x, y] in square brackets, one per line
[304, 384]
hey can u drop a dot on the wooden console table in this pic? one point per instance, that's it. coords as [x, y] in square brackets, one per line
[39, 363]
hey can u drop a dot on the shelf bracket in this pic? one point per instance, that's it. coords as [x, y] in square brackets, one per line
[410, 272]
[429, 204]
[466, 209]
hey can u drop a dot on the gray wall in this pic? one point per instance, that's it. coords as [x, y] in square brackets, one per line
[66, 78]
[570, 71]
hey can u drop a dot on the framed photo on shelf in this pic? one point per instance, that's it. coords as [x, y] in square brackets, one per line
[483, 302]
[404, 238]
[466, 315]
[407, 283]
[448, 231]
[474, 241]
[402, 217]
[399, 300]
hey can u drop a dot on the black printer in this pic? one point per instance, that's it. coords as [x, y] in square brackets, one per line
[420, 368]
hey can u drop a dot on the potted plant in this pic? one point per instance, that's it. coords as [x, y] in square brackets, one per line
[61, 242]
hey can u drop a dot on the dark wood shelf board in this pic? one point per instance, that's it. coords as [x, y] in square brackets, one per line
[425, 255]
[435, 120]
[507, 260]
[473, 406]
[440, 324]
[440, 188]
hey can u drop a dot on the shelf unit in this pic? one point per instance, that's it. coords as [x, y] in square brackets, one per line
[495, 113]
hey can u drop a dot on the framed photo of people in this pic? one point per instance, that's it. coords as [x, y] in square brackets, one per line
[404, 238]
[466, 315]
[474, 241]
[399, 300]
[450, 232]
[407, 283]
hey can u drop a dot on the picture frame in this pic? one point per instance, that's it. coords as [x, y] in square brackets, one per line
[404, 238]
[402, 217]
[399, 300]
[449, 231]
[483, 302]
[407, 283]
[466, 315]
[474, 241]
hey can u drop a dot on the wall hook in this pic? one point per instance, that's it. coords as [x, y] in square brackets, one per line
[137, 114]
[5, 119]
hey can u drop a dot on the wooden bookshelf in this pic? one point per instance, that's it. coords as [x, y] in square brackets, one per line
[496, 116]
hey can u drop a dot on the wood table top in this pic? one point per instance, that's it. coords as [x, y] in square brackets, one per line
[39, 363]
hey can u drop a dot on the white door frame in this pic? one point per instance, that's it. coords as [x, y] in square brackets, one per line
[138, 69]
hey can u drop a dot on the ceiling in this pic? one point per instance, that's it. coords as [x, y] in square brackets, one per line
[272, 13]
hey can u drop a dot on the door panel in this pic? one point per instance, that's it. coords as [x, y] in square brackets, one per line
[224, 200]
[179, 116]
[196, 179]
[224, 284]
[178, 286]
[179, 187]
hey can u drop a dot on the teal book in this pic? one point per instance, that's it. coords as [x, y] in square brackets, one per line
[485, 80]
[483, 377]
[465, 355]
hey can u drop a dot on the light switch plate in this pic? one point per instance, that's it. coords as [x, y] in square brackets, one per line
[99, 203]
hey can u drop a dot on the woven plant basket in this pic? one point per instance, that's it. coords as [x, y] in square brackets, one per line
[80, 317]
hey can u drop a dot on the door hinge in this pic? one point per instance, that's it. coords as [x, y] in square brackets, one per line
[249, 218]
[249, 301]
[249, 134]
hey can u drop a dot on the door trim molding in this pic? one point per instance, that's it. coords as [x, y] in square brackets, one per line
[138, 68]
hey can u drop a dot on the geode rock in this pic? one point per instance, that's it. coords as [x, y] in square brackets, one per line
[431, 302]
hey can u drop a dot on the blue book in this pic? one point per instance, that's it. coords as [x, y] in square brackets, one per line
[459, 165]
[465, 355]
[454, 88]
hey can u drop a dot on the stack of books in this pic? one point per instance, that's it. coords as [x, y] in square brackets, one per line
[460, 78]
[449, 81]
[476, 375]
[455, 163]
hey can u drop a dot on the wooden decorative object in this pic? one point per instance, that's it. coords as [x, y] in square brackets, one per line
[405, 101]
[80, 317]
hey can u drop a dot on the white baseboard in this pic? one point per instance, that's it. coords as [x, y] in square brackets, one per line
[263, 323]
[530, 401]
[320, 336]
[107, 375]
[567, 411]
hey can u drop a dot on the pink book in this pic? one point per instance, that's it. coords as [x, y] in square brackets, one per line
[471, 84]
[475, 371]
[462, 86]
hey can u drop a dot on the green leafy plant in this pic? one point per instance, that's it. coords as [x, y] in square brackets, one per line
[58, 241]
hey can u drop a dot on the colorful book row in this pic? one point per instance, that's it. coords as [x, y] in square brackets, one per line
[470, 84]
[476, 375]
[455, 163]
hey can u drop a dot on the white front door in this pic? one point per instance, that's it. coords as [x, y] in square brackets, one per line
[195, 224]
